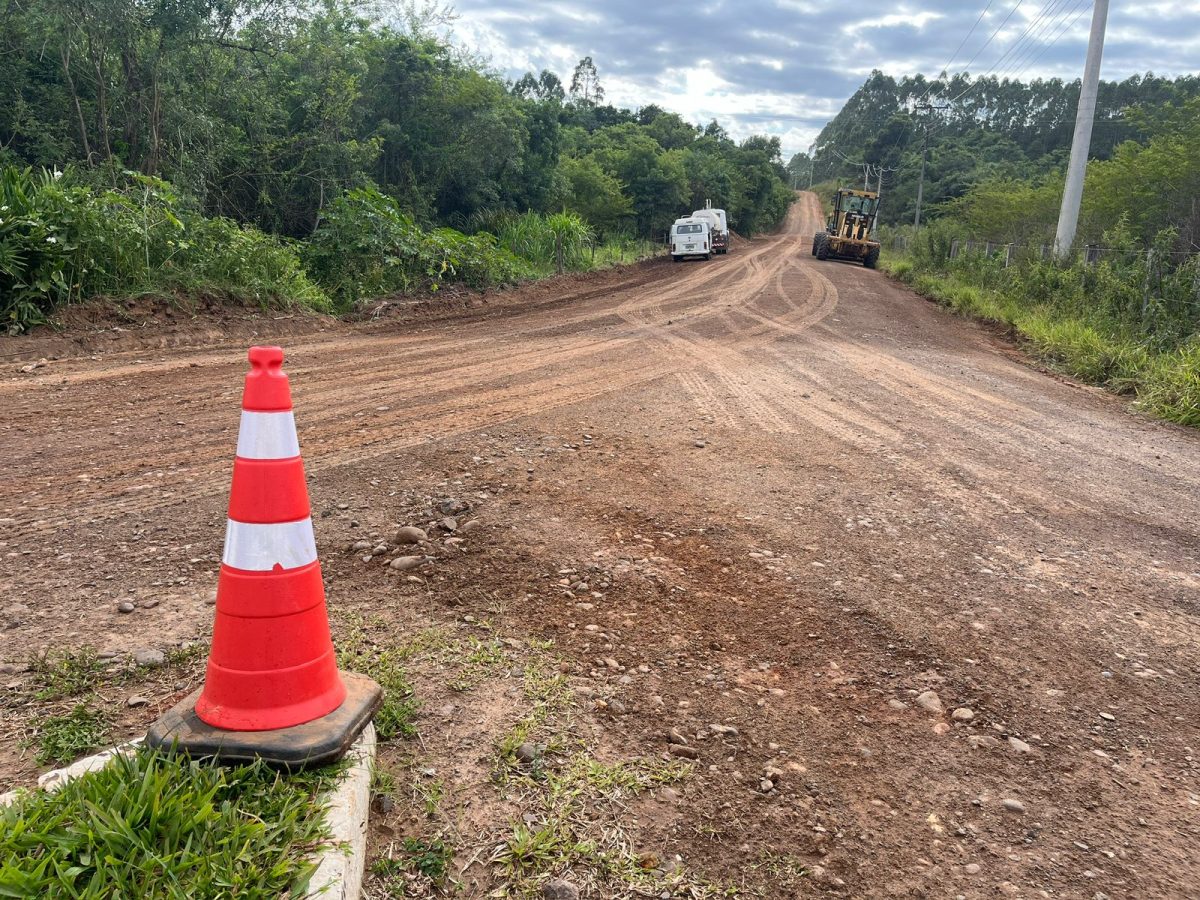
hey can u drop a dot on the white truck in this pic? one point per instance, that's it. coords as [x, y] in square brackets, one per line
[691, 237]
[718, 224]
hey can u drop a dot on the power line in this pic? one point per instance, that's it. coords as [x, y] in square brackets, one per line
[1033, 48]
[1086, 6]
[1062, 30]
[1037, 41]
[946, 68]
[974, 83]
[1029, 35]
[993, 35]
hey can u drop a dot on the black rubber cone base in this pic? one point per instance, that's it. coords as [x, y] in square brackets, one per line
[312, 744]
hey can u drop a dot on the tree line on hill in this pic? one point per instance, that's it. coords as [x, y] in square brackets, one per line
[998, 150]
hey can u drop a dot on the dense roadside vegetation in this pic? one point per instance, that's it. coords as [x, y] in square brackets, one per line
[355, 156]
[1125, 316]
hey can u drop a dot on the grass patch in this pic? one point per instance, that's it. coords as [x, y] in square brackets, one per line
[579, 801]
[580, 828]
[531, 851]
[430, 794]
[480, 659]
[428, 858]
[400, 706]
[59, 674]
[550, 693]
[155, 825]
[414, 867]
[63, 739]
[781, 870]
[1171, 388]
[359, 652]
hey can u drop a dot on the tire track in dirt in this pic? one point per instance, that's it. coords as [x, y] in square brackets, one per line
[482, 379]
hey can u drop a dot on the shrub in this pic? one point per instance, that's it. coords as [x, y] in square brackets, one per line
[62, 240]
[535, 238]
[366, 246]
[41, 262]
[250, 263]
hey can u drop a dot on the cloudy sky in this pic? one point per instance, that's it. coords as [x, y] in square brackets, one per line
[784, 67]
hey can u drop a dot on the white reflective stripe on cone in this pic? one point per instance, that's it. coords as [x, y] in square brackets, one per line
[267, 435]
[259, 548]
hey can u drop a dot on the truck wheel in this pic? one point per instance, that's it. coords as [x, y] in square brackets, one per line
[872, 258]
[816, 240]
[822, 250]
[674, 258]
[707, 257]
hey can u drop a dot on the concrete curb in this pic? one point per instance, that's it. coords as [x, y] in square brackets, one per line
[340, 866]
[339, 874]
[56, 778]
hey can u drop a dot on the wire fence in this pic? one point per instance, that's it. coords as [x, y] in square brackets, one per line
[1092, 253]
[1148, 285]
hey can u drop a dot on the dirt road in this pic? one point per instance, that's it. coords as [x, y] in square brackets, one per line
[803, 497]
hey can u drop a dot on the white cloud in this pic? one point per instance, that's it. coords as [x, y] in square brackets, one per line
[785, 67]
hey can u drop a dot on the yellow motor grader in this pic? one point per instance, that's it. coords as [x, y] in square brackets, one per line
[848, 233]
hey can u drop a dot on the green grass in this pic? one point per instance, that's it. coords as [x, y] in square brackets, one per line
[62, 739]
[1171, 387]
[549, 694]
[154, 825]
[531, 851]
[359, 651]
[579, 800]
[58, 674]
[429, 858]
[430, 794]
[479, 660]
[400, 706]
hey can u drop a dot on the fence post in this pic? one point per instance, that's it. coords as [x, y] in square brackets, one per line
[558, 253]
[1146, 283]
[1008, 257]
[954, 249]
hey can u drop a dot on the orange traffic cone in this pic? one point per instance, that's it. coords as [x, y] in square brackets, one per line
[273, 690]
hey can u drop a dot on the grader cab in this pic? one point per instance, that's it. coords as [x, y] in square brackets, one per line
[850, 230]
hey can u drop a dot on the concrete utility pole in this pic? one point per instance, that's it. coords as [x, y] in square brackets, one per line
[1068, 216]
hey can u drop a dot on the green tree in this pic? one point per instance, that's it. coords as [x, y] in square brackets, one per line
[585, 83]
[596, 195]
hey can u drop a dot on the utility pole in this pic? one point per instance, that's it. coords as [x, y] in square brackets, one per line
[921, 179]
[924, 155]
[1068, 216]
